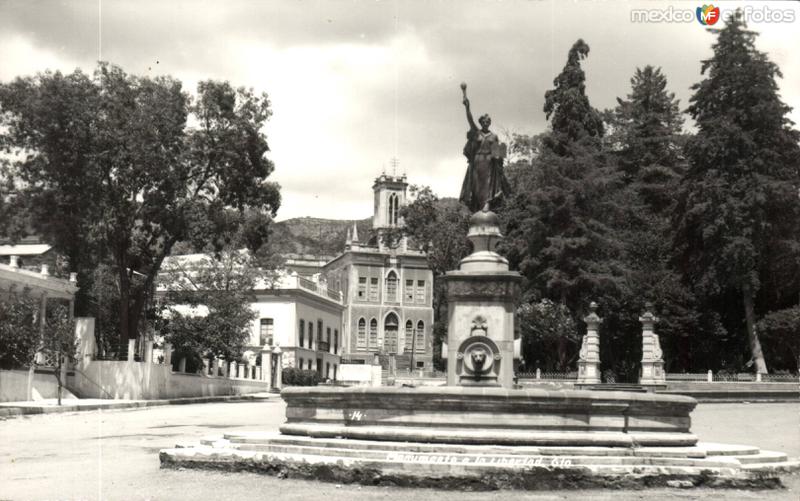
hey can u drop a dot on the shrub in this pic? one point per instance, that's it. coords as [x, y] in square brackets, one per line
[299, 377]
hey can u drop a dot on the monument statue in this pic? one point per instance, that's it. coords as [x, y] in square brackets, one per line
[485, 183]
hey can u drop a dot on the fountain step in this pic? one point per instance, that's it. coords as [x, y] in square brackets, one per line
[342, 464]
[379, 455]
[498, 436]
[763, 457]
[239, 439]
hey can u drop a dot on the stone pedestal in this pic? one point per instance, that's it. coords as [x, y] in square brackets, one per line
[266, 363]
[652, 360]
[589, 362]
[278, 368]
[482, 296]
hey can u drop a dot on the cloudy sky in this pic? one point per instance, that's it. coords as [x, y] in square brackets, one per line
[355, 83]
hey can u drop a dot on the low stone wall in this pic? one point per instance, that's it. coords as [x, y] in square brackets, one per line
[147, 381]
[359, 375]
[14, 386]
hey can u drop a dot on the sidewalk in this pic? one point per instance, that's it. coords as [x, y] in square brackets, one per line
[50, 406]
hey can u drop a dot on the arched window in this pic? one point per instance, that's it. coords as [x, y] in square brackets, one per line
[373, 333]
[390, 209]
[390, 328]
[361, 340]
[420, 343]
[393, 209]
[409, 336]
[391, 287]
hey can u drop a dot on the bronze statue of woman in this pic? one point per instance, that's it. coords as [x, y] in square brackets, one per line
[485, 183]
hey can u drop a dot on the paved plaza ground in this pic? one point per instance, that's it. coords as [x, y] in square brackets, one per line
[114, 455]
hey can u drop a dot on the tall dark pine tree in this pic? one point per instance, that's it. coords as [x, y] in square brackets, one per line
[646, 140]
[739, 212]
[554, 235]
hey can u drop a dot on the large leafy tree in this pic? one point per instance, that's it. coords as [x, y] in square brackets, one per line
[133, 165]
[739, 212]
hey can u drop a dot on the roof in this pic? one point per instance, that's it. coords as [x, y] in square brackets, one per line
[54, 287]
[24, 249]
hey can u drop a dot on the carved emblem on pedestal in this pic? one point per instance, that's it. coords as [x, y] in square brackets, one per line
[478, 360]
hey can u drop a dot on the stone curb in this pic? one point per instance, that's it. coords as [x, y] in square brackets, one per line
[24, 410]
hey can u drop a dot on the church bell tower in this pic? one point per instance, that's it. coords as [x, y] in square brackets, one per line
[390, 197]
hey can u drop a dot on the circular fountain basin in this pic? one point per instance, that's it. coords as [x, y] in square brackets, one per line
[490, 415]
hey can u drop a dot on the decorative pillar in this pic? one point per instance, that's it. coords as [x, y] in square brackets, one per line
[266, 365]
[148, 352]
[167, 354]
[278, 368]
[131, 350]
[652, 360]
[589, 363]
[234, 369]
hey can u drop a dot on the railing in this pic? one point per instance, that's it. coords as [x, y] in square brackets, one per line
[549, 375]
[115, 352]
[310, 285]
[699, 376]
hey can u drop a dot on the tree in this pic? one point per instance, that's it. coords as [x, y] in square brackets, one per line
[152, 177]
[19, 328]
[556, 236]
[738, 215]
[543, 327]
[645, 142]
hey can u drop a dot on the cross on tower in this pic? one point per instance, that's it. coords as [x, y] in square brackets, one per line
[394, 162]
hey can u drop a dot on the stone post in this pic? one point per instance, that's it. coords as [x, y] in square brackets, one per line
[652, 361]
[234, 369]
[206, 365]
[223, 366]
[710, 376]
[240, 370]
[538, 373]
[131, 349]
[589, 363]
[182, 365]
[278, 368]
[215, 366]
[148, 352]
[266, 365]
[167, 354]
